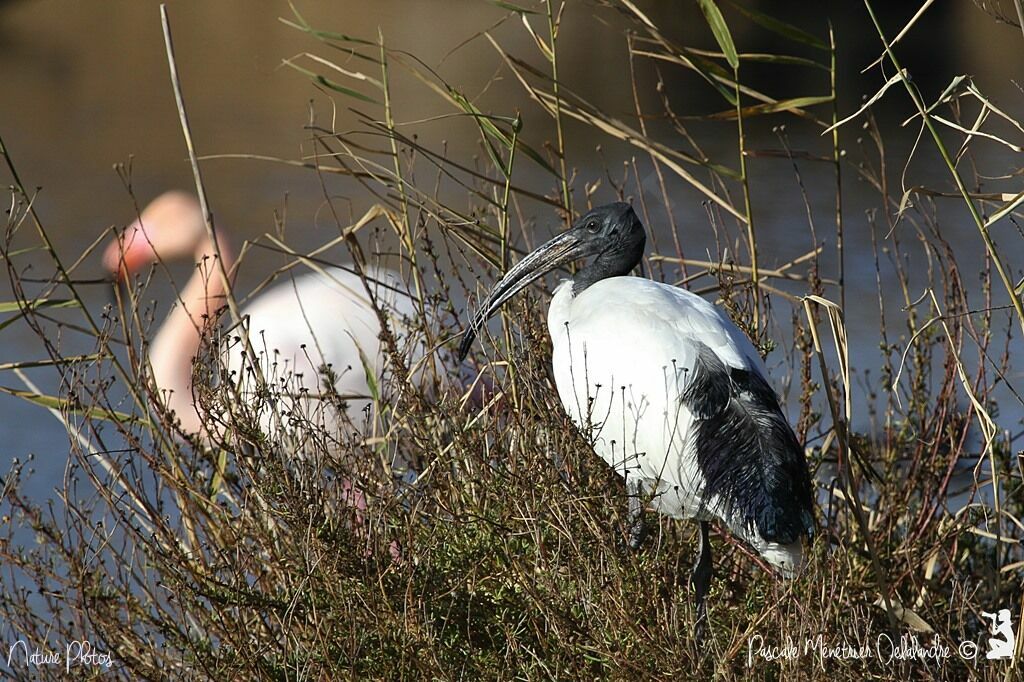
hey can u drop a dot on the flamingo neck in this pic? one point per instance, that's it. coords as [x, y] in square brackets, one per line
[176, 345]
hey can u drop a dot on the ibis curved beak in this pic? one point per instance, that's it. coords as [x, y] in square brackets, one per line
[563, 249]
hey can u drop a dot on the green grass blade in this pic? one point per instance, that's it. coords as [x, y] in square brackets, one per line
[328, 83]
[13, 306]
[512, 7]
[65, 405]
[47, 363]
[780, 27]
[720, 30]
[795, 104]
[788, 59]
[304, 26]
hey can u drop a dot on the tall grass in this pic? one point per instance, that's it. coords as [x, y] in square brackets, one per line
[243, 558]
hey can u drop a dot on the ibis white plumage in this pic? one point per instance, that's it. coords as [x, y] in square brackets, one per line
[670, 392]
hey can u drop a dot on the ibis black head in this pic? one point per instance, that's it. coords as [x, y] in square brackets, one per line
[611, 233]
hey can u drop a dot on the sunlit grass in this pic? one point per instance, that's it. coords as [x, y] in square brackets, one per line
[240, 558]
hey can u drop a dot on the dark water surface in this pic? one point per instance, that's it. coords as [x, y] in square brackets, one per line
[85, 86]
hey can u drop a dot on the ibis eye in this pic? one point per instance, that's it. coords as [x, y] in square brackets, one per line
[592, 226]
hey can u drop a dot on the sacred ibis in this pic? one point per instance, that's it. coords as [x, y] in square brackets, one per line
[671, 394]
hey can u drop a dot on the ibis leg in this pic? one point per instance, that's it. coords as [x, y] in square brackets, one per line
[559, 462]
[701, 580]
[637, 527]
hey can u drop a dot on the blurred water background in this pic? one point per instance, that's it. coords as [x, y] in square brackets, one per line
[85, 87]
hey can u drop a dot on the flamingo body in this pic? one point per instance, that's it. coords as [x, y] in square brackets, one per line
[319, 327]
[298, 328]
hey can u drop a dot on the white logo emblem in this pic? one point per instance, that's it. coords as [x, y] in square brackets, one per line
[1003, 641]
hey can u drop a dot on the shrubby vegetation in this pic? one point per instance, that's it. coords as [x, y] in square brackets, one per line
[242, 558]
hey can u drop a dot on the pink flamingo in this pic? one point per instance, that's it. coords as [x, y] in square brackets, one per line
[316, 320]
[296, 328]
